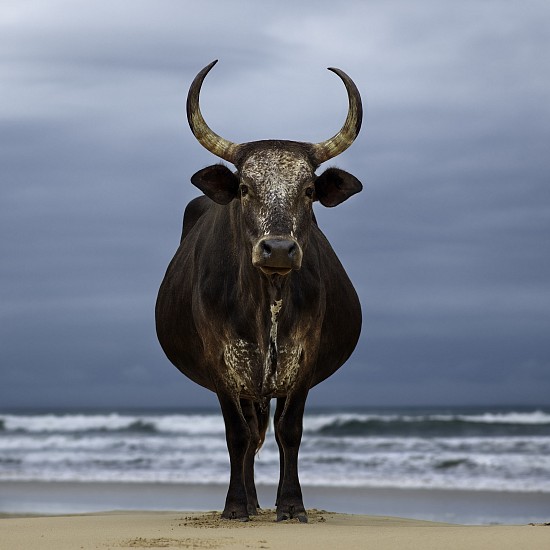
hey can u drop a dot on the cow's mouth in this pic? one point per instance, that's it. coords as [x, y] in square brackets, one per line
[275, 270]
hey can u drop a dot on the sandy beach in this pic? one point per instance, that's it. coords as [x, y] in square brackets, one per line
[48, 516]
[206, 530]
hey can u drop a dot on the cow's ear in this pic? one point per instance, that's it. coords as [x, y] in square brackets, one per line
[334, 186]
[217, 182]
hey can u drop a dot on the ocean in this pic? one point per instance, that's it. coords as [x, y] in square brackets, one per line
[469, 449]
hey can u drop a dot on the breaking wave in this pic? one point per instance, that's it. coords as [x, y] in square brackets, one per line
[498, 450]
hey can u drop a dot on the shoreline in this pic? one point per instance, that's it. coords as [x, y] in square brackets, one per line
[326, 530]
[441, 505]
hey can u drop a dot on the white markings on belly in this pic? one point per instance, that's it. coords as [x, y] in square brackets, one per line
[271, 356]
[288, 365]
[254, 372]
[239, 357]
[275, 309]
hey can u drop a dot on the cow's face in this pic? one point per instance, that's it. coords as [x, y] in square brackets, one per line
[276, 187]
[277, 192]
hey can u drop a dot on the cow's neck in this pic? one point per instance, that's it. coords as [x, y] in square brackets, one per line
[268, 299]
[270, 294]
[271, 288]
[276, 302]
[265, 291]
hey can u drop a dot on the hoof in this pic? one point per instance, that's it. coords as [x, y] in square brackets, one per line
[292, 513]
[235, 516]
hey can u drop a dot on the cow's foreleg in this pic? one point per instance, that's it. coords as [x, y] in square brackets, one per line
[289, 435]
[278, 411]
[249, 412]
[237, 435]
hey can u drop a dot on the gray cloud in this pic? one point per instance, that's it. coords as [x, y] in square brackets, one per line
[447, 245]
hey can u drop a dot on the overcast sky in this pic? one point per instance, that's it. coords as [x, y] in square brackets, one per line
[448, 244]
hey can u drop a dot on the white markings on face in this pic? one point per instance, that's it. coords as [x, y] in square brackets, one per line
[277, 177]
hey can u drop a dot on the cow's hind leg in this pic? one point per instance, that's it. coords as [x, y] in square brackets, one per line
[288, 429]
[238, 437]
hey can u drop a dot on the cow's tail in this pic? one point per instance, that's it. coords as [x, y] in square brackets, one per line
[262, 414]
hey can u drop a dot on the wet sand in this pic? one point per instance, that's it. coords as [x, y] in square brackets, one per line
[449, 506]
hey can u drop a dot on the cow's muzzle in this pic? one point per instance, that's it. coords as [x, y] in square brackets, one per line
[277, 255]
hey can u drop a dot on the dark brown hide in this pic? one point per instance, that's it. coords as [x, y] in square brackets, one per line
[255, 304]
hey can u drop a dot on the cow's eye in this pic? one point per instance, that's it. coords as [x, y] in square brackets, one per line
[244, 190]
[310, 191]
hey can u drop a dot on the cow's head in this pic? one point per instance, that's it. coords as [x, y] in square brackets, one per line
[275, 181]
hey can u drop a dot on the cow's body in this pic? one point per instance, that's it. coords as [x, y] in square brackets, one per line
[255, 304]
[221, 327]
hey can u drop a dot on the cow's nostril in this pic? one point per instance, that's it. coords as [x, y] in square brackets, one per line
[266, 249]
[292, 250]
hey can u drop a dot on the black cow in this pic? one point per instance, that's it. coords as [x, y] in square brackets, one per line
[255, 304]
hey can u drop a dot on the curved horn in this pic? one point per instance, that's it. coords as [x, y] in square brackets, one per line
[346, 136]
[221, 147]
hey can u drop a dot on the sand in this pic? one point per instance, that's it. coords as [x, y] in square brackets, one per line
[206, 530]
[143, 528]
